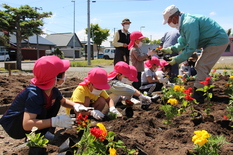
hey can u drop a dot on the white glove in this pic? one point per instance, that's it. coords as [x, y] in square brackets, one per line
[63, 121]
[144, 98]
[163, 80]
[97, 114]
[80, 107]
[151, 52]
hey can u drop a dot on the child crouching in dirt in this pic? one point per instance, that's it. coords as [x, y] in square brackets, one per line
[119, 82]
[162, 73]
[38, 104]
[149, 80]
[91, 93]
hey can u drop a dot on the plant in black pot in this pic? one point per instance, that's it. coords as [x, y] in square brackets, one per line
[36, 143]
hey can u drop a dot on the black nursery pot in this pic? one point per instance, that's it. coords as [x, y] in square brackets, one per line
[128, 111]
[37, 151]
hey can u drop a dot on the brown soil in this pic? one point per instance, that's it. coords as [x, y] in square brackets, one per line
[145, 131]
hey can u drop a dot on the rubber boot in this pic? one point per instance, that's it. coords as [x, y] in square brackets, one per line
[199, 96]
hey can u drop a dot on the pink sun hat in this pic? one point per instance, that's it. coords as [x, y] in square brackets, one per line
[46, 69]
[154, 61]
[162, 64]
[134, 73]
[98, 77]
[133, 36]
[120, 67]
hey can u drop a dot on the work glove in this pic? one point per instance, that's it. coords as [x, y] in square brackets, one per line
[97, 114]
[167, 50]
[81, 108]
[63, 121]
[115, 111]
[163, 80]
[172, 62]
[144, 99]
[151, 52]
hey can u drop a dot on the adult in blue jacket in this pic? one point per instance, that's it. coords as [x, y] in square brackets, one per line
[196, 31]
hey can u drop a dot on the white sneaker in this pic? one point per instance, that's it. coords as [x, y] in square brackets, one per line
[135, 101]
[115, 111]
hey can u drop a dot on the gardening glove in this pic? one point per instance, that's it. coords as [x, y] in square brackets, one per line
[115, 111]
[81, 108]
[144, 99]
[172, 62]
[63, 121]
[97, 114]
[167, 50]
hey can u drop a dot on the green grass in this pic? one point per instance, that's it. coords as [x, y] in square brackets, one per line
[97, 62]
[223, 66]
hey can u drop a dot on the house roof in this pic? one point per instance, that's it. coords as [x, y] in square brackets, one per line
[64, 39]
[33, 40]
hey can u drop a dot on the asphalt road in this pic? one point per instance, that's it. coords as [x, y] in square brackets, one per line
[28, 65]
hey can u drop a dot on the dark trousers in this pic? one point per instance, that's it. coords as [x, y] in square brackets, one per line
[137, 85]
[121, 55]
[16, 130]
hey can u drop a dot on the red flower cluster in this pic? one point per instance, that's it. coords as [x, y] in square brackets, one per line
[225, 117]
[158, 48]
[206, 82]
[188, 92]
[98, 133]
[82, 121]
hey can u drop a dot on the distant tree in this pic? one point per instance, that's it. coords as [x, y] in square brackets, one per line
[59, 53]
[98, 35]
[146, 41]
[22, 22]
[155, 41]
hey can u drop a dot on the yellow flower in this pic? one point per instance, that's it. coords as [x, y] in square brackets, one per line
[179, 76]
[201, 137]
[101, 126]
[176, 88]
[231, 77]
[112, 151]
[172, 101]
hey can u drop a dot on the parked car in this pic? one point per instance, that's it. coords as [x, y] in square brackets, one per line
[109, 53]
[4, 56]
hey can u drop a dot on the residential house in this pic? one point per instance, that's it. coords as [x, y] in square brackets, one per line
[64, 41]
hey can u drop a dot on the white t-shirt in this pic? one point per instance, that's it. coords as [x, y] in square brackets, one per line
[147, 72]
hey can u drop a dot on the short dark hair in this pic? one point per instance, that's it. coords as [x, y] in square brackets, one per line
[60, 75]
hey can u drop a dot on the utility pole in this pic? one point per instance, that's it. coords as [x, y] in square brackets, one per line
[37, 40]
[74, 34]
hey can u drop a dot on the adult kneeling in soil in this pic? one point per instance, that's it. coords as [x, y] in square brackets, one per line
[196, 31]
[38, 104]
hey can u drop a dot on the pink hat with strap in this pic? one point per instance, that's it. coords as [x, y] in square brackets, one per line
[98, 77]
[134, 73]
[162, 64]
[154, 61]
[120, 67]
[133, 36]
[46, 70]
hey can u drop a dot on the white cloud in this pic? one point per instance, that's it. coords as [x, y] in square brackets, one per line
[212, 13]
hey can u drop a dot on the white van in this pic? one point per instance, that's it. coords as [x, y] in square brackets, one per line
[4, 56]
[109, 53]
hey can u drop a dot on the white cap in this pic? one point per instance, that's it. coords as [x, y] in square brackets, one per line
[168, 12]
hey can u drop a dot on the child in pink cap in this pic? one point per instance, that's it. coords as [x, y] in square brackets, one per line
[137, 56]
[38, 104]
[150, 82]
[119, 82]
[162, 73]
[91, 93]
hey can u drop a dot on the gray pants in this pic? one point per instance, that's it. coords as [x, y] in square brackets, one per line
[210, 55]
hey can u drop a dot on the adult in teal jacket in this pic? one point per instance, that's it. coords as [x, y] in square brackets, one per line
[196, 31]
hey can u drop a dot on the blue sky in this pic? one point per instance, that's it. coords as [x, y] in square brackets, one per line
[109, 14]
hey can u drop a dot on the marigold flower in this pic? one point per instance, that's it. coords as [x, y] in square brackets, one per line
[179, 76]
[101, 126]
[112, 151]
[231, 77]
[176, 88]
[201, 137]
[172, 101]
